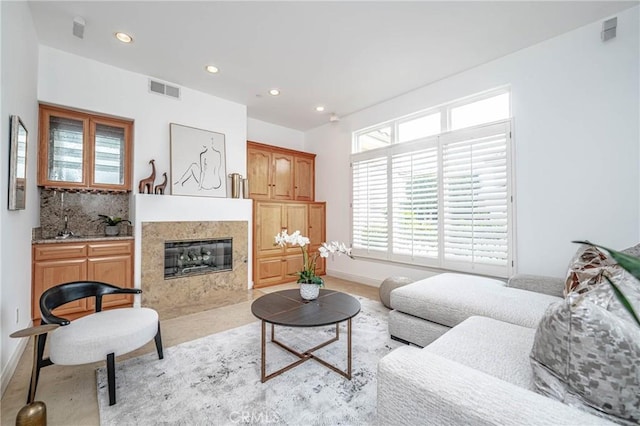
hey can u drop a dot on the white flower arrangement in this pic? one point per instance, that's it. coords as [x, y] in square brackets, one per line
[308, 273]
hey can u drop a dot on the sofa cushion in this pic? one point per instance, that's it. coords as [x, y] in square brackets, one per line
[390, 284]
[493, 347]
[449, 299]
[420, 388]
[632, 251]
[586, 352]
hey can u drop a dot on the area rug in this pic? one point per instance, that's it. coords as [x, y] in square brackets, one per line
[216, 379]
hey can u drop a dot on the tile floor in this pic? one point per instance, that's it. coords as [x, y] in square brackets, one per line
[70, 392]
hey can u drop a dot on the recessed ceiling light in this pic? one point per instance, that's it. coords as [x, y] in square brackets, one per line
[320, 108]
[212, 69]
[274, 92]
[124, 37]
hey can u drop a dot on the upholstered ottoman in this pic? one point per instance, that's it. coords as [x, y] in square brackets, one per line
[428, 308]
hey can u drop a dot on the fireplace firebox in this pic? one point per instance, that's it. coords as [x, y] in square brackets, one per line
[196, 257]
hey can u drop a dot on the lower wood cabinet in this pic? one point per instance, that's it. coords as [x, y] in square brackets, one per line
[276, 270]
[57, 263]
[273, 264]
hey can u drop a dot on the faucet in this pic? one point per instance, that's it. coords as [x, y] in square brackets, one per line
[65, 233]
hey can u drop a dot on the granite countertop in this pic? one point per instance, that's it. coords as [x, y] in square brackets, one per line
[54, 240]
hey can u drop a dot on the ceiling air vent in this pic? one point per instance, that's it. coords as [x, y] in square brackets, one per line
[164, 89]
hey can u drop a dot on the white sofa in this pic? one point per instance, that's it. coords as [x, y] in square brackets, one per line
[473, 370]
[426, 309]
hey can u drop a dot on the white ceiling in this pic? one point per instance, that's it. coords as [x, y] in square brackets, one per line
[343, 55]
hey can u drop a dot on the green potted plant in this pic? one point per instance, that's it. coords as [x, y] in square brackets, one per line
[112, 224]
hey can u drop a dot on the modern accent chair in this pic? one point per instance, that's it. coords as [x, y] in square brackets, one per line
[95, 337]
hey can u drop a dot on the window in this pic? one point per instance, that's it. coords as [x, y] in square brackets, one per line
[373, 139]
[439, 198]
[486, 110]
[420, 127]
[370, 205]
[414, 205]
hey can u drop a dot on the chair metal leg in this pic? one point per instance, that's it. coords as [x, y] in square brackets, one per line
[40, 341]
[158, 339]
[111, 377]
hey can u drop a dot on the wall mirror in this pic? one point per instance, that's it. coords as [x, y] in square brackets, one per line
[17, 164]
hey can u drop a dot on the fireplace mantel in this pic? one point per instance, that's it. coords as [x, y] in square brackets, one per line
[175, 208]
[167, 208]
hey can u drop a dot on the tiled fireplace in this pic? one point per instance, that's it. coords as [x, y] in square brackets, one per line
[197, 252]
[162, 218]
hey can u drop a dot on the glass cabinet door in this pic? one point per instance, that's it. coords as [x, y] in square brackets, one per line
[83, 151]
[65, 150]
[109, 155]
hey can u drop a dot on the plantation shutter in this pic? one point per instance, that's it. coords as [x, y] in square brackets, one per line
[369, 207]
[415, 205]
[476, 198]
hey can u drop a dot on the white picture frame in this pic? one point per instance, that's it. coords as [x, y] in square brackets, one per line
[198, 162]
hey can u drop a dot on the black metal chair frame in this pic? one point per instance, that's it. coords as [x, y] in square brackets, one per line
[68, 292]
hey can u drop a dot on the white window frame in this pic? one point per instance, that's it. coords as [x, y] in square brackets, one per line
[438, 141]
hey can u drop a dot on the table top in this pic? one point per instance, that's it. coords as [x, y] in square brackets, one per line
[288, 308]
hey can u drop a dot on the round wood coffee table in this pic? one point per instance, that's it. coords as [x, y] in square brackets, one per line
[288, 309]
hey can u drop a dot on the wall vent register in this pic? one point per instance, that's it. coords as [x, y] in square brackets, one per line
[164, 89]
[196, 257]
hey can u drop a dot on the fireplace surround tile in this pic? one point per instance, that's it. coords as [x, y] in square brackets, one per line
[179, 294]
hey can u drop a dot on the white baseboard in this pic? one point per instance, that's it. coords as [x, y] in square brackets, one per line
[11, 366]
[355, 278]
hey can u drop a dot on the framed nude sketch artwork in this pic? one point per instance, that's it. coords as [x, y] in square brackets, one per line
[197, 162]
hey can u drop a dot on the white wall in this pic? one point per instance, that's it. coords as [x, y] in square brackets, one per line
[19, 78]
[272, 134]
[69, 80]
[577, 146]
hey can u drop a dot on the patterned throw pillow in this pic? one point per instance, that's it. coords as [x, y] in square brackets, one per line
[586, 352]
[587, 269]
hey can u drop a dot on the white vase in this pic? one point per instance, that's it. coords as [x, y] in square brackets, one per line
[309, 291]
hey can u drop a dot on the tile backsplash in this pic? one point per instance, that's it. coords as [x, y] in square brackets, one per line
[82, 210]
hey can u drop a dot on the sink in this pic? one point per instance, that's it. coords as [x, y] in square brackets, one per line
[67, 236]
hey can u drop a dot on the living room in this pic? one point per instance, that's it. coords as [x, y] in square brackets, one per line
[576, 153]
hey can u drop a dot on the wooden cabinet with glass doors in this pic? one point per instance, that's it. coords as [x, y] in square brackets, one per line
[83, 151]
